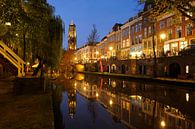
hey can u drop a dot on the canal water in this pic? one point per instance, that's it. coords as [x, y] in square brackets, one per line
[96, 102]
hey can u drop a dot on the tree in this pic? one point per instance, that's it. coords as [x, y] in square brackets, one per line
[34, 30]
[183, 7]
[93, 36]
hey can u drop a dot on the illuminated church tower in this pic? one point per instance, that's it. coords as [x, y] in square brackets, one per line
[72, 39]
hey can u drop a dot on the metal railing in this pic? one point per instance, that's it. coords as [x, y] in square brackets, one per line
[13, 58]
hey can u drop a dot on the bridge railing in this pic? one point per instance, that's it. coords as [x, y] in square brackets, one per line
[13, 58]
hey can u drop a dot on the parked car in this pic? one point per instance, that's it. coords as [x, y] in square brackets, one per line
[189, 50]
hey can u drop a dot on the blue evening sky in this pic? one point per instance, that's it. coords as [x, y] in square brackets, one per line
[103, 13]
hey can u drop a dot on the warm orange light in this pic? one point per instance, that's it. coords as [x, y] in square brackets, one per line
[110, 48]
[187, 97]
[162, 123]
[111, 102]
[163, 36]
[97, 94]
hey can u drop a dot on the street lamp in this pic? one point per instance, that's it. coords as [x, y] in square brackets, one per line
[110, 48]
[162, 36]
[162, 124]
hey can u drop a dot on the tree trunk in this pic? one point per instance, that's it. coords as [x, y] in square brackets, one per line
[24, 45]
[154, 52]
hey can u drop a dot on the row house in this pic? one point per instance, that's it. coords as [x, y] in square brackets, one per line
[125, 41]
[136, 35]
[102, 49]
[86, 54]
[143, 37]
[175, 33]
[109, 46]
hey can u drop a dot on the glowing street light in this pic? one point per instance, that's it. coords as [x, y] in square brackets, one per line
[97, 94]
[111, 102]
[163, 36]
[162, 123]
[110, 48]
[187, 97]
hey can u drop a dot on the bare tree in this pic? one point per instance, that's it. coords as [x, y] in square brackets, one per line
[93, 36]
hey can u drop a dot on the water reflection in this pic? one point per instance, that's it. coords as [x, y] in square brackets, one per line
[89, 100]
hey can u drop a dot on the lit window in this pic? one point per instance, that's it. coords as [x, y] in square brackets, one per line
[166, 48]
[187, 68]
[149, 30]
[170, 32]
[145, 32]
[183, 44]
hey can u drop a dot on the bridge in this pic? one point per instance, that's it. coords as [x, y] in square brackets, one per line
[13, 58]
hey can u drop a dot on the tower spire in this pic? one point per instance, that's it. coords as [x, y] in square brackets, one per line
[72, 39]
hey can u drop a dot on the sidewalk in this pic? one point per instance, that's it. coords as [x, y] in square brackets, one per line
[174, 81]
[31, 110]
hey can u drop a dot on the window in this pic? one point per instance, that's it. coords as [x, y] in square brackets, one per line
[140, 38]
[123, 45]
[166, 48]
[149, 6]
[162, 24]
[183, 44]
[127, 43]
[137, 39]
[132, 29]
[187, 68]
[133, 42]
[145, 32]
[136, 28]
[149, 30]
[189, 29]
[170, 32]
[179, 29]
[140, 26]
[174, 48]
[169, 22]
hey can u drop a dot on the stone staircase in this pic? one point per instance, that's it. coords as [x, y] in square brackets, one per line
[11, 61]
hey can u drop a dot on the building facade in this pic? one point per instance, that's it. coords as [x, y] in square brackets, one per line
[131, 48]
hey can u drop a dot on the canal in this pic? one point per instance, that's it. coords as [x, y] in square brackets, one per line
[96, 102]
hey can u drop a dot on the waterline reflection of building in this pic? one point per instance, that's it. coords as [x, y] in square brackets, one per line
[72, 102]
[140, 105]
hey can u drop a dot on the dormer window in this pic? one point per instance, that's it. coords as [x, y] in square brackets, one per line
[149, 6]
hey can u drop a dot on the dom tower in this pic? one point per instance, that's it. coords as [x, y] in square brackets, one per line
[72, 39]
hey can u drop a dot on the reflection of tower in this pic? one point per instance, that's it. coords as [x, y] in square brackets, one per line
[72, 39]
[72, 102]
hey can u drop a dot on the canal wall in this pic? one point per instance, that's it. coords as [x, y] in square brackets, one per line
[172, 81]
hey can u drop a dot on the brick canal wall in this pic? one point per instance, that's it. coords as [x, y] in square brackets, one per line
[177, 66]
